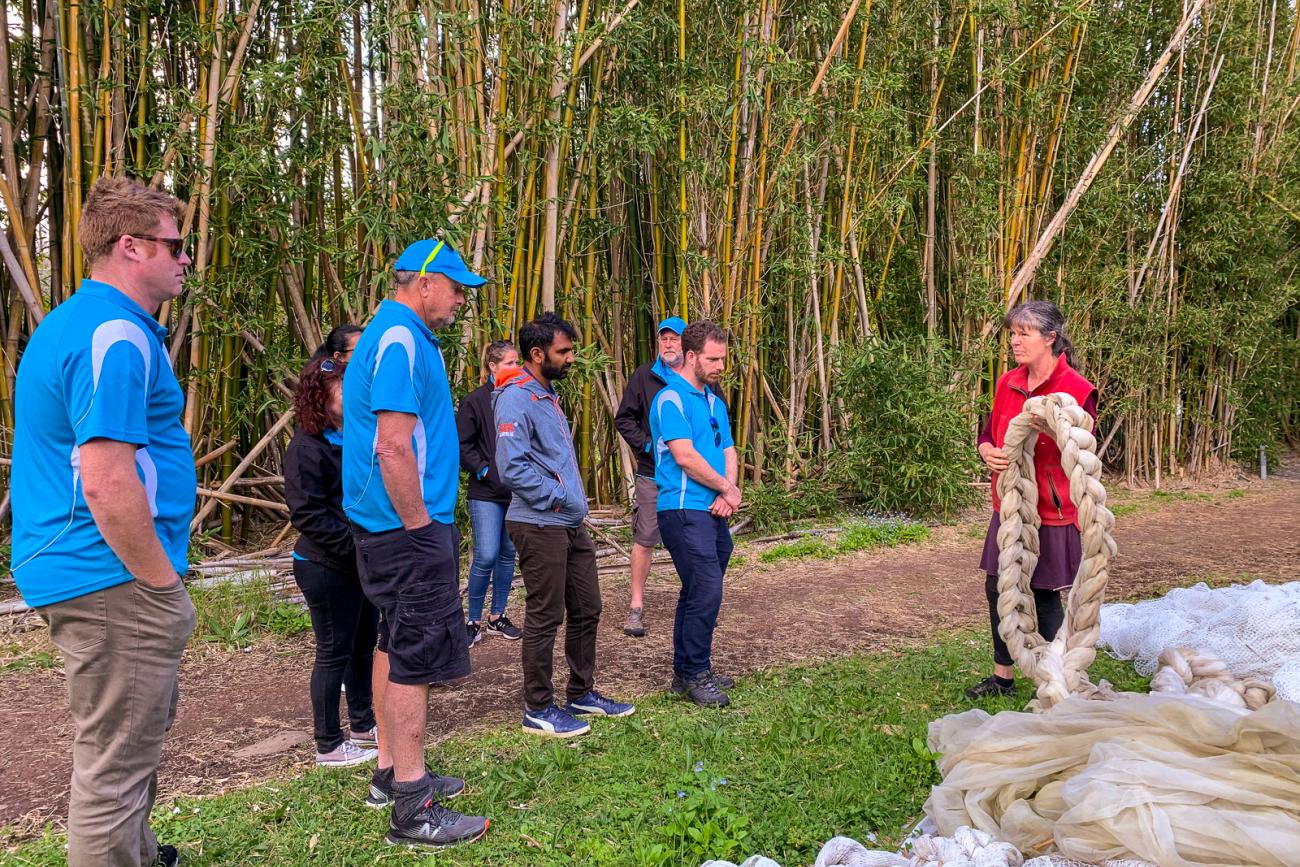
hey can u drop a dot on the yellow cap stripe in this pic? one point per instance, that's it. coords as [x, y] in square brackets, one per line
[432, 256]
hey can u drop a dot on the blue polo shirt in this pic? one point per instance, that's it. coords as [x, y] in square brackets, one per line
[95, 368]
[681, 411]
[397, 366]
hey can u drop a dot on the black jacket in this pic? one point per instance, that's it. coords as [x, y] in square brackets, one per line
[313, 488]
[477, 427]
[632, 421]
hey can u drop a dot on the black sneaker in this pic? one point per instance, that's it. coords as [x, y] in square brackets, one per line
[381, 787]
[167, 857]
[703, 690]
[679, 683]
[434, 825]
[503, 628]
[474, 632]
[991, 686]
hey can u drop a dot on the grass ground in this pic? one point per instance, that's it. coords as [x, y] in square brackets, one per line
[804, 754]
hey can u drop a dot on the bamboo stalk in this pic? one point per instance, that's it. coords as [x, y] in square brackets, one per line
[1098, 161]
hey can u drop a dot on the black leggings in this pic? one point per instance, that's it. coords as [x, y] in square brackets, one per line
[345, 624]
[1050, 617]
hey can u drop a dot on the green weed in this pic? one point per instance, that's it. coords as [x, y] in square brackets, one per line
[235, 615]
[865, 537]
[800, 549]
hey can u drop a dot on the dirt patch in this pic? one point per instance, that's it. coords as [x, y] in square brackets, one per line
[243, 715]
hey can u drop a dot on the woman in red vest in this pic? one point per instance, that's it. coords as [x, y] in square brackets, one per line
[1045, 357]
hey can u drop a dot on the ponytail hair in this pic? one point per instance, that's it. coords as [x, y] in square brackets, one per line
[1046, 318]
[336, 341]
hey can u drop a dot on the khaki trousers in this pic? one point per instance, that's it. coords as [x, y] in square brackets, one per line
[122, 648]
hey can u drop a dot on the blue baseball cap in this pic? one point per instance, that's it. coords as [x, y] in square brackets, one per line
[432, 256]
[675, 324]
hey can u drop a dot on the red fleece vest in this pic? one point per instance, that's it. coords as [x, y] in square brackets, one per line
[1054, 505]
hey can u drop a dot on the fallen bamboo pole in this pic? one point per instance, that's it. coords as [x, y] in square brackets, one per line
[247, 462]
[242, 500]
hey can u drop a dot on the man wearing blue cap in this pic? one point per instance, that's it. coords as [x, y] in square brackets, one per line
[400, 482]
[633, 423]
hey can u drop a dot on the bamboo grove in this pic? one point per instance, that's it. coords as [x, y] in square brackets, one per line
[816, 175]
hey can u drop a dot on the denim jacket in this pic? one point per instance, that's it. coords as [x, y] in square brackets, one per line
[535, 456]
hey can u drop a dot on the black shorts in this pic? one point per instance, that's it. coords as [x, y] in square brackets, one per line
[413, 579]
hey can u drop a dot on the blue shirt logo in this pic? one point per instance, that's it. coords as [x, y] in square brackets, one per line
[681, 411]
[95, 368]
[397, 366]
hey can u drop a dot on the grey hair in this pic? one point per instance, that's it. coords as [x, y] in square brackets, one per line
[1045, 317]
[403, 278]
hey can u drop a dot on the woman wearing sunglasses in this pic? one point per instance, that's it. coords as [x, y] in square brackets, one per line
[488, 499]
[324, 560]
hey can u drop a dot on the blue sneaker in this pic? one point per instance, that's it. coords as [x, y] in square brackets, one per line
[595, 703]
[553, 723]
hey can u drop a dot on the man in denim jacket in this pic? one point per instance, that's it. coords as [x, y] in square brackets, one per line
[536, 460]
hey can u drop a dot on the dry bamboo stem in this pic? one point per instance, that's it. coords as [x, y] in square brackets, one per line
[1030, 267]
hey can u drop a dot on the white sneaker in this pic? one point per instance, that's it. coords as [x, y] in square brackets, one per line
[345, 755]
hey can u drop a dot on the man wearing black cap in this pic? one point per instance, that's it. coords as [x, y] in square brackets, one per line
[633, 423]
[400, 482]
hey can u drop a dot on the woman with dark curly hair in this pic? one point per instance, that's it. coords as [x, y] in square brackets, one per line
[1045, 359]
[324, 560]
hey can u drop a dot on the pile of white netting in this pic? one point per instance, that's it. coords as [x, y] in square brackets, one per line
[1254, 629]
[966, 847]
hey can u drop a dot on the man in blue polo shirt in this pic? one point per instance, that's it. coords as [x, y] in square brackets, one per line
[401, 465]
[103, 492]
[696, 471]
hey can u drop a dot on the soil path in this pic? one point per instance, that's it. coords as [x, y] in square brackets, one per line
[245, 716]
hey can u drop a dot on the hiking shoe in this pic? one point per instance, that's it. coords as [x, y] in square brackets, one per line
[381, 787]
[595, 704]
[167, 857]
[634, 625]
[679, 683]
[552, 722]
[991, 686]
[367, 740]
[345, 755]
[503, 628]
[435, 825]
[703, 690]
[474, 632]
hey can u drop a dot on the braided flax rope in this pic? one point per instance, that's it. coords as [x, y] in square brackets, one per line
[1059, 667]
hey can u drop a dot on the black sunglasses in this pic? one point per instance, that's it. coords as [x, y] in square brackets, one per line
[717, 432]
[175, 245]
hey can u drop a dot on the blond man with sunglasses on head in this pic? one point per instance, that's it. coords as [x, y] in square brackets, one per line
[401, 468]
[103, 490]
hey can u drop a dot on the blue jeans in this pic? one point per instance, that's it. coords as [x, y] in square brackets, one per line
[700, 545]
[494, 557]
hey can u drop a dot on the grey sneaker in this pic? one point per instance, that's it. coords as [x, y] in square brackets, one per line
[703, 690]
[679, 683]
[345, 755]
[503, 628]
[435, 826]
[367, 740]
[381, 787]
[634, 625]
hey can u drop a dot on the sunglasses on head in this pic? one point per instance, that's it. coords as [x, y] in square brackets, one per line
[175, 245]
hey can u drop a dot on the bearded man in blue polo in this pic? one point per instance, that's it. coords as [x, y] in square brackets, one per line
[696, 469]
[103, 489]
[401, 465]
